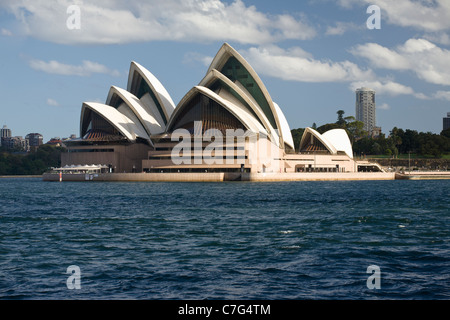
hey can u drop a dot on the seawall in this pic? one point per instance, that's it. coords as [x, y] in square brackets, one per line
[20, 176]
[318, 176]
[423, 175]
[220, 176]
[169, 177]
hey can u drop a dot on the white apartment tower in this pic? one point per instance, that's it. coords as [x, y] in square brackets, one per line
[365, 108]
[5, 132]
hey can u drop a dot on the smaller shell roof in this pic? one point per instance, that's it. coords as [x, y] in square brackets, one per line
[334, 140]
[339, 139]
[128, 128]
[148, 120]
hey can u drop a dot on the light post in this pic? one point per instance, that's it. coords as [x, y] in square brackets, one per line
[409, 161]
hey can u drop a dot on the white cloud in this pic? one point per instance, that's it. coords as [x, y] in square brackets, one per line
[113, 22]
[52, 102]
[297, 65]
[425, 15]
[85, 69]
[383, 106]
[340, 28]
[290, 28]
[191, 57]
[428, 61]
[443, 95]
[380, 56]
[6, 32]
[438, 37]
[387, 87]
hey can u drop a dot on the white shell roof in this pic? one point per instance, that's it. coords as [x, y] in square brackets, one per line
[285, 129]
[334, 140]
[225, 52]
[141, 117]
[245, 95]
[155, 85]
[238, 110]
[145, 115]
[129, 128]
[340, 140]
[310, 131]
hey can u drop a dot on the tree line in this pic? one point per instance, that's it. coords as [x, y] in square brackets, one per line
[33, 163]
[399, 141]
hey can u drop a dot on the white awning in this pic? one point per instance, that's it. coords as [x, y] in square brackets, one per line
[85, 167]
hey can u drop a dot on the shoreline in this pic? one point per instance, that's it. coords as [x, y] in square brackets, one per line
[220, 177]
[423, 175]
[22, 176]
[252, 177]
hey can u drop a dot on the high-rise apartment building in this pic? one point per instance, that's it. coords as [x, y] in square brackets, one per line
[446, 122]
[365, 108]
[5, 133]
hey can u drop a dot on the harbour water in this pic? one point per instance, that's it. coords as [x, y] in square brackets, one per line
[230, 240]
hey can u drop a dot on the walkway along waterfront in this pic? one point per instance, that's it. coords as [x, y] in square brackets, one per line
[220, 176]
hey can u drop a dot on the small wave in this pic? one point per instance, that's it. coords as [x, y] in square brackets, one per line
[286, 231]
[291, 247]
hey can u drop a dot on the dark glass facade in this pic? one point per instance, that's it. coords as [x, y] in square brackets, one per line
[95, 127]
[140, 87]
[210, 113]
[235, 71]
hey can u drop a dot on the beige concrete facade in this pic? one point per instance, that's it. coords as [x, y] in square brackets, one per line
[121, 158]
[312, 162]
[251, 155]
[260, 156]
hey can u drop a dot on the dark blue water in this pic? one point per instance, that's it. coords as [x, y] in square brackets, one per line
[290, 240]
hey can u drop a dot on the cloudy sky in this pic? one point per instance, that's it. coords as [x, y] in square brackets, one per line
[311, 55]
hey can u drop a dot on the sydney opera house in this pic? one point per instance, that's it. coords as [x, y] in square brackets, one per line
[226, 123]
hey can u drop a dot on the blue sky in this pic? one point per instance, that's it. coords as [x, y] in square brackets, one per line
[311, 55]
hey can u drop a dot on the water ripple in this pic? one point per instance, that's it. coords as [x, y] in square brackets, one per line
[299, 240]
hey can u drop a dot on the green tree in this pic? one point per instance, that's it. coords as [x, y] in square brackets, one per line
[431, 144]
[33, 163]
[446, 133]
[376, 148]
[328, 126]
[340, 121]
[297, 137]
[396, 136]
[388, 152]
[363, 145]
[410, 141]
[355, 129]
